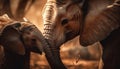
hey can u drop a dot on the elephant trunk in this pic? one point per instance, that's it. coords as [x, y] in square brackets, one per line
[48, 52]
[49, 36]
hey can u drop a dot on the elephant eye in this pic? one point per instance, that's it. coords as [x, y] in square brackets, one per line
[64, 21]
[34, 40]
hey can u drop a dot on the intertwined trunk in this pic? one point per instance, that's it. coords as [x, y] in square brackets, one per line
[49, 13]
[47, 50]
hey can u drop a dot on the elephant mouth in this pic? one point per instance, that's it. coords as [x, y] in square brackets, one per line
[70, 35]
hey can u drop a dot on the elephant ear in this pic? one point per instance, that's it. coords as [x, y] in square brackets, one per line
[99, 24]
[10, 39]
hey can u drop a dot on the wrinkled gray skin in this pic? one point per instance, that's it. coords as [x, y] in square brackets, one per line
[18, 42]
[93, 20]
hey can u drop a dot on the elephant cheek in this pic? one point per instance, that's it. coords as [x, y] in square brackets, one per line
[17, 47]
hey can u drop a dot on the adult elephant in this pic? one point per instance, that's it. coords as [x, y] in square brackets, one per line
[19, 39]
[93, 20]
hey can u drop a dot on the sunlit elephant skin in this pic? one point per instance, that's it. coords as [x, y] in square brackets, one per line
[93, 20]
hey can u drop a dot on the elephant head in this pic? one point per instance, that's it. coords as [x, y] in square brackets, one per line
[65, 19]
[60, 21]
[93, 20]
[17, 36]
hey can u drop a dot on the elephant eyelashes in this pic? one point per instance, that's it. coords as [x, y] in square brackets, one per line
[64, 21]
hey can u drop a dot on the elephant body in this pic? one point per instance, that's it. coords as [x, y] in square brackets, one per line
[18, 39]
[14, 59]
[93, 20]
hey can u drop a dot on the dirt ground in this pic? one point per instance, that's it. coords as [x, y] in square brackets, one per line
[73, 56]
[39, 62]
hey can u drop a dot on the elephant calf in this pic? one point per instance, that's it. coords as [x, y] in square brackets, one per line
[18, 40]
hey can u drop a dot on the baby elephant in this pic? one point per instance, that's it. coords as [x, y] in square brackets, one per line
[18, 40]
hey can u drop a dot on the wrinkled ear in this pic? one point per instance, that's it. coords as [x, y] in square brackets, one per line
[100, 26]
[10, 39]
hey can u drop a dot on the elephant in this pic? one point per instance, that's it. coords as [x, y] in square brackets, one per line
[18, 39]
[92, 20]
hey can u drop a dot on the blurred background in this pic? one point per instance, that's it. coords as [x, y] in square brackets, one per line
[73, 55]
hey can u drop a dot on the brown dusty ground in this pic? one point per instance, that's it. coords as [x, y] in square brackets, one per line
[70, 54]
[39, 62]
